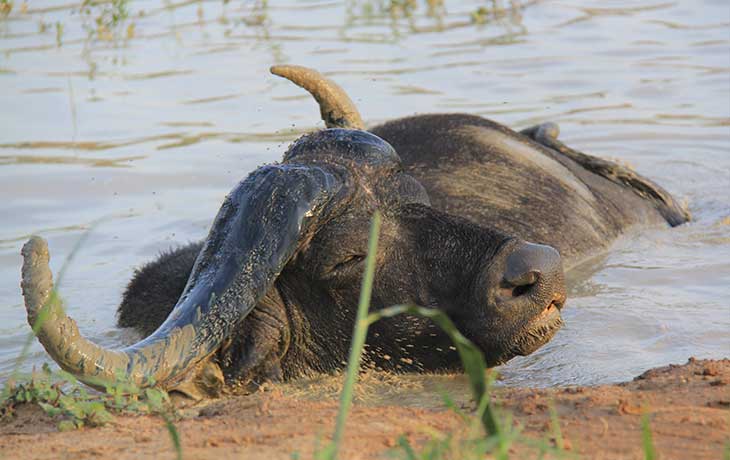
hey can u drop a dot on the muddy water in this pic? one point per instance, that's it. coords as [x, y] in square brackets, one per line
[131, 133]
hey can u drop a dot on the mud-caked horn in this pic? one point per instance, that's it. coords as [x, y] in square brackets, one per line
[257, 230]
[335, 106]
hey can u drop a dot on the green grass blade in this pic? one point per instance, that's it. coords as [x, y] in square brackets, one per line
[646, 438]
[359, 336]
[407, 448]
[555, 425]
[174, 436]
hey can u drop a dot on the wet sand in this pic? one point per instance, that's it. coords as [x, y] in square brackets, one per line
[688, 406]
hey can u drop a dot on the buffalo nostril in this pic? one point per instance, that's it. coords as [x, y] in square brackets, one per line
[520, 285]
[527, 266]
[525, 279]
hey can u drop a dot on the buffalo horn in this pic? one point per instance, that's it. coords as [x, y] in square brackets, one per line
[337, 109]
[256, 231]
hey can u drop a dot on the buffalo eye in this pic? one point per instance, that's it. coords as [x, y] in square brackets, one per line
[348, 262]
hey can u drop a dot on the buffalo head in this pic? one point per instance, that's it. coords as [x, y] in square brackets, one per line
[287, 248]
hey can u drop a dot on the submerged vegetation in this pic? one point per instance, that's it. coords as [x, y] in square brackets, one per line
[105, 20]
[117, 20]
[6, 6]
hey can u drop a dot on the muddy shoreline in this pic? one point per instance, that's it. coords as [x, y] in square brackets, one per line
[688, 407]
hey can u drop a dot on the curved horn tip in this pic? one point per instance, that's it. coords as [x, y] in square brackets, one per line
[290, 71]
[335, 106]
[37, 281]
[295, 73]
[281, 70]
[35, 246]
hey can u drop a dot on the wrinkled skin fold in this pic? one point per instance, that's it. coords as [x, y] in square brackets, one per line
[478, 220]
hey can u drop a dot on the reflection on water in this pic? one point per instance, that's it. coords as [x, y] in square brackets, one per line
[145, 116]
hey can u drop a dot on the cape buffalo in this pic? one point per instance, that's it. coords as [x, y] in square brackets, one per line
[472, 212]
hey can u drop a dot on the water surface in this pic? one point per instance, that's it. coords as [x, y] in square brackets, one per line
[136, 130]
